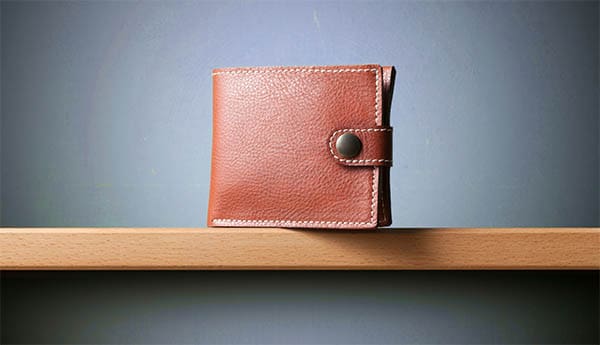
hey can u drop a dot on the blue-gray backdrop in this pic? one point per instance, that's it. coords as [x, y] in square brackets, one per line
[106, 121]
[106, 107]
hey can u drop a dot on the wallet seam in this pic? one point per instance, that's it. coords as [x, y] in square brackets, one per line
[373, 220]
[357, 130]
[296, 70]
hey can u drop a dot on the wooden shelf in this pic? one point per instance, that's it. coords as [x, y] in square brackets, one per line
[271, 248]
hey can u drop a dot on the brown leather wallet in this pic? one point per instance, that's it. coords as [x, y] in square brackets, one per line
[301, 147]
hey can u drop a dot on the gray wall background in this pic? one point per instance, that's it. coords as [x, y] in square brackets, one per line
[106, 118]
[106, 106]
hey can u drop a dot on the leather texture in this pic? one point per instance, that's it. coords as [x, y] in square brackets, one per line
[274, 160]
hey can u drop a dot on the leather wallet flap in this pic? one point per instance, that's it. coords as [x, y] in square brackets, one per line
[373, 146]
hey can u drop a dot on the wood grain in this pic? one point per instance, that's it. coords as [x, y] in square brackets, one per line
[272, 248]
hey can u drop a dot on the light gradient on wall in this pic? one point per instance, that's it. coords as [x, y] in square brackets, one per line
[106, 106]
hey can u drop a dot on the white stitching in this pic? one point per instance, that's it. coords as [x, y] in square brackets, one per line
[357, 130]
[364, 160]
[378, 95]
[301, 70]
[373, 196]
[365, 130]
[377, 110]
[377, 92]
[288, 221]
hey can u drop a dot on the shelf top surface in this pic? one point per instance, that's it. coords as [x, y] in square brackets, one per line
[277, 248]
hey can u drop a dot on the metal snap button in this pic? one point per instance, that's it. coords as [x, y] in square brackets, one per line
[348, 145]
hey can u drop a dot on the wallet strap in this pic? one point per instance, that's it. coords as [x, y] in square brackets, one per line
[376, 146]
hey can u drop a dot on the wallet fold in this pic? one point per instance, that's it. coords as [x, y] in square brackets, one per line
[301, 147]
